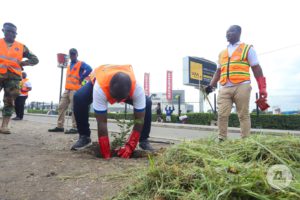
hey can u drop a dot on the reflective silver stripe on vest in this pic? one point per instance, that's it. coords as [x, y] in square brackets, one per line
[3, 67]
[15, 68]
[73, 76]
[11, 59]
[73, 83]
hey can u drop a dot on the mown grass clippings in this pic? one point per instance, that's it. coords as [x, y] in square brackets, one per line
[231, 170]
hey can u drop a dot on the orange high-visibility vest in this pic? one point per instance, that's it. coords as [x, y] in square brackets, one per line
[104, 74]
[236, 67]
[23, 87]
[10, 58]
[73, 78]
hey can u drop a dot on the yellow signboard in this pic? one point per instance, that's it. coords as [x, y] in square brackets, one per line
[196, 71]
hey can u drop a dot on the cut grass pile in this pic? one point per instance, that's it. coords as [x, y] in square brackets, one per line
[231, 170]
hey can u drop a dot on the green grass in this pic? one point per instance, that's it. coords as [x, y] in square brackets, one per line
[232, 170]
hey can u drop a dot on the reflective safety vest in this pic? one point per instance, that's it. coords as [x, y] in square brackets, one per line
[105, 73]
[73, 78]
[23, 87]
[235, 68]
[11, 57]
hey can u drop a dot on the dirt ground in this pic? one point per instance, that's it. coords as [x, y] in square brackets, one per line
[36, 164]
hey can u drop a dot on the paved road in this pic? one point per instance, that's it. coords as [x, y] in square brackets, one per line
[169, 131]
[162, 131]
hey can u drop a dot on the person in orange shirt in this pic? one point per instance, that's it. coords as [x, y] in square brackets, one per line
[77, 71]
[25, 86]
[234, 77]
[112, 84]
[11, 66]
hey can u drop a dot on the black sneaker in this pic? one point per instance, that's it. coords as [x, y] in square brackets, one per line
[56, 129]
[16, 118]
[82, 143]
[145, 145]
[71, 131]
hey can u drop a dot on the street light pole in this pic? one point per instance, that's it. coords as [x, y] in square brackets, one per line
[61, 80]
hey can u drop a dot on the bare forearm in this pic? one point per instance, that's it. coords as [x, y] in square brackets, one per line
[257, 71]
[139, 121]
[215, 78]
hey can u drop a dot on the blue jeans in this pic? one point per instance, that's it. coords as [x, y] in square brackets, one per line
[83, 98]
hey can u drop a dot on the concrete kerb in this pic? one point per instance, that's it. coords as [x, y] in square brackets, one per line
[201, 127]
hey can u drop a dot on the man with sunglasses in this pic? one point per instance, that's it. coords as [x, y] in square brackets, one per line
[113, 84]
[77, 71]
[11, 66]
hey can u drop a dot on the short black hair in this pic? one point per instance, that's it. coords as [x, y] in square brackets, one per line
[73, 50]
[9, 24]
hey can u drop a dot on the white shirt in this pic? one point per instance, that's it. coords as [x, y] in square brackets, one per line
[252, 59]
[100, 103]
[28, 85]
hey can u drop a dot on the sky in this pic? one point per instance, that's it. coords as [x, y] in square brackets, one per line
[154, 36]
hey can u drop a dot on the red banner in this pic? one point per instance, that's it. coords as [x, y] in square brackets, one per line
[169, 85]
[147, 83]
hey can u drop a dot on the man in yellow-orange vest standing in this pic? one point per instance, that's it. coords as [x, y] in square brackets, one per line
[11, 66]
[25, 86]
[234, 77]
[112, 84]
[77, 71]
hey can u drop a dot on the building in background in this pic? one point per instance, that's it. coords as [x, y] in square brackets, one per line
[177, 96]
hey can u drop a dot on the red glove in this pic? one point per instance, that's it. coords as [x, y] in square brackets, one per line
[262, 86]
[127, 150]
[104, 147]
[262, 104]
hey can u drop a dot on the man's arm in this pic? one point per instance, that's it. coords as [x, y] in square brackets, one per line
[214, 81]
[32, 59]
[215, 78]
[257, 71]
[102, 124]
[139, 121]
[85, 70]
[127, 150]
[103, 138]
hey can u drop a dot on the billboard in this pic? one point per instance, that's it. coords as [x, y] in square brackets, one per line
[197, 71]
[147, 83]
[169, 86]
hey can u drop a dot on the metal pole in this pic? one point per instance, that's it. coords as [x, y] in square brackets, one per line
[61, 80]
[257, 111]
[215, 102]
[125, 111]
[179, 111]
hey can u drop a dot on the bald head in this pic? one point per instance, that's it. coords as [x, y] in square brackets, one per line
[233, 34]
[120, 86]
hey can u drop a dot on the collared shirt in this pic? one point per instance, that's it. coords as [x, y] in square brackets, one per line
[84, 70]
[252, 59]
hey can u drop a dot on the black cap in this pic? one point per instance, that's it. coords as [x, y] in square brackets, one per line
[73, 51]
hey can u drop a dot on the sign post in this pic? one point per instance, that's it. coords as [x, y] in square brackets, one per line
[198, 72]
[62, 60]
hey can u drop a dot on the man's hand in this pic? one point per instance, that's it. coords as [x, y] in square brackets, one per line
[208, 89]
[127, 150]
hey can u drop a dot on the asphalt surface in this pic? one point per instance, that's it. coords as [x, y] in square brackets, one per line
[167, 131]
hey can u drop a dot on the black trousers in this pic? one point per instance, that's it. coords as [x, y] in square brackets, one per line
[82, 100]
[19, 106]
